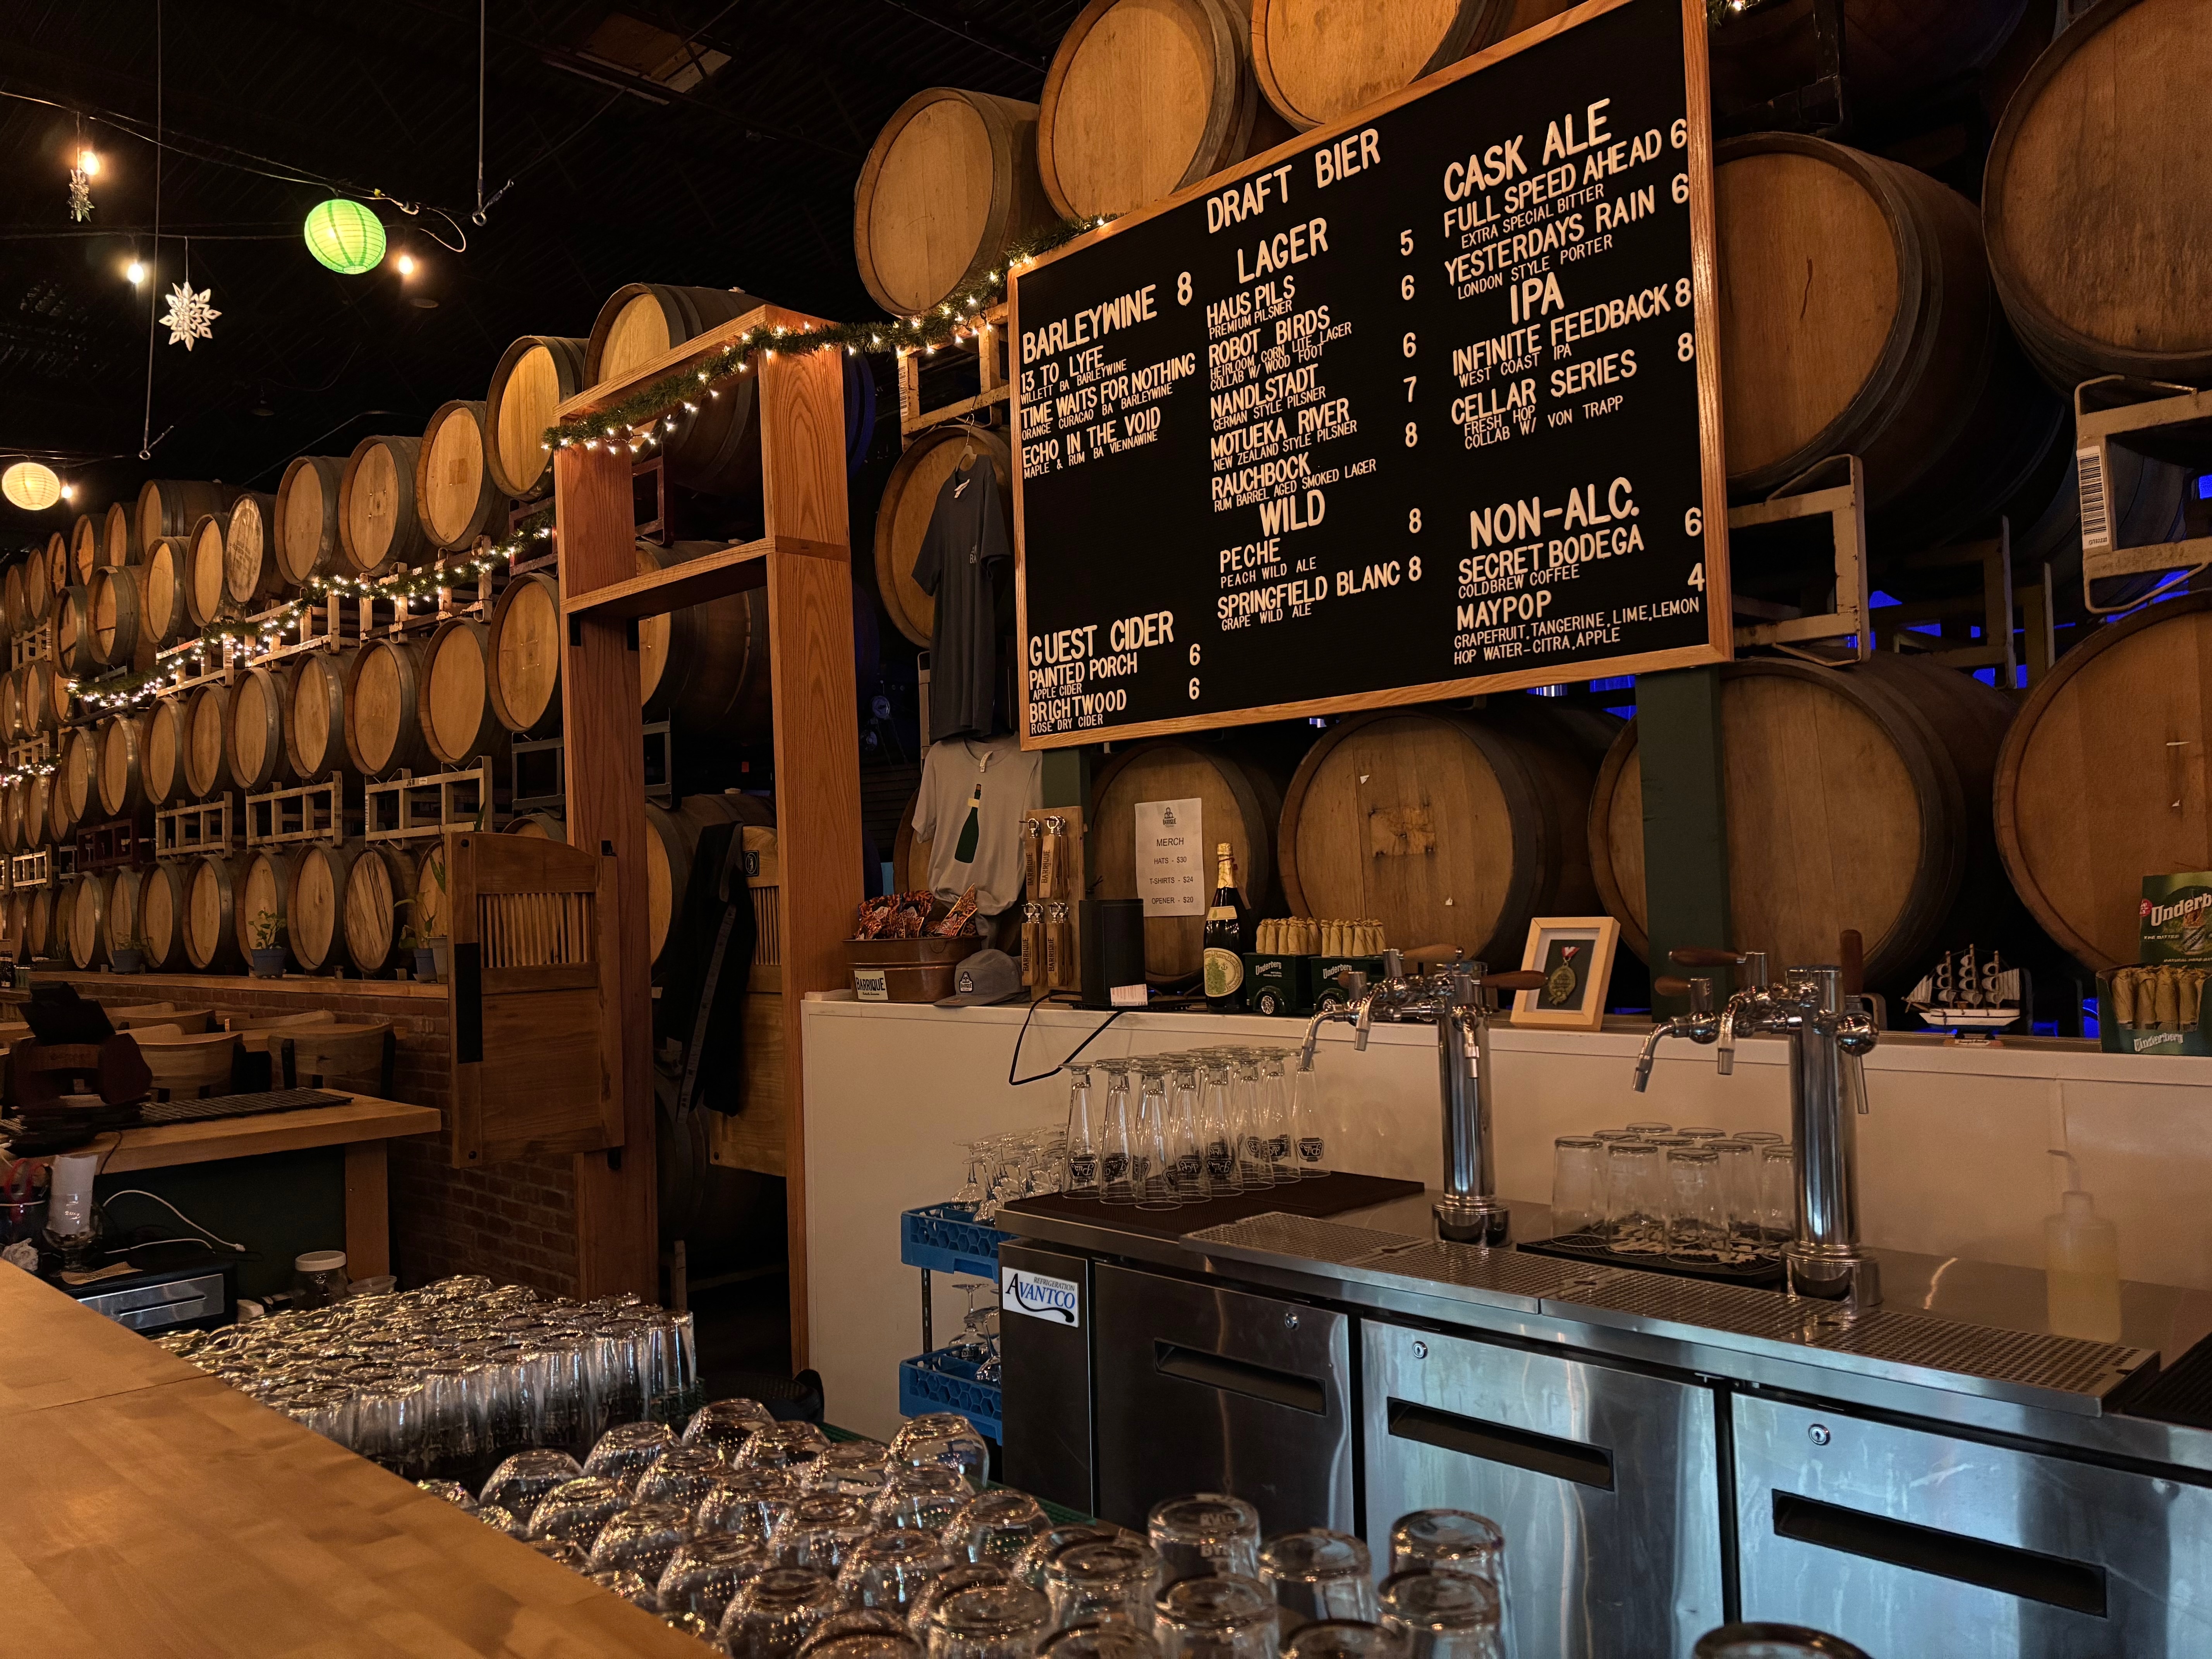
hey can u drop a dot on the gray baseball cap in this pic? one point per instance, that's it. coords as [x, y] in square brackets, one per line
[987, 976]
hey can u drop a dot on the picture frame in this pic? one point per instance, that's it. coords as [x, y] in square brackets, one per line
[1585, 946]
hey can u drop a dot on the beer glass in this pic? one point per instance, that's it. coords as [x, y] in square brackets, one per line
[1103, 1641]
[642, 1539]
[820, 1530]
[1763, 1641]
[682, 1474]
[748, 1503]
[1577, 1186]
[1224, 1618]
[1316, 1574]
[1309, 1134]
[1216, 1123]
[772, 1616]
[1079, 1157]
[920, 1499]
[1447, 1541]
[1103, 1581]
[1193, 1181]
[892, 1570]
[705, 1575]
[576, 1510]
[1207, 1534]
[1739, 1191]
[945, 1439]
[1777, 1194]
[1152, 1173]
[1634, 1224]
[1444, 1616]
[1697, 1220]
[858, 1467]
[1254, 1154]
[628, 1450]
[988, 1621]
[1344, 1638]
[996, 1527]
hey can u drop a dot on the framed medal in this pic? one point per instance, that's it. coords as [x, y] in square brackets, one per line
[1575, 956]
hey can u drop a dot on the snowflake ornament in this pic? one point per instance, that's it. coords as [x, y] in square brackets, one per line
[80, 195]
[190, 316]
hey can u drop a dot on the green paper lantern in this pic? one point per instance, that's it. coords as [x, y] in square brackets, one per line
[345, 236]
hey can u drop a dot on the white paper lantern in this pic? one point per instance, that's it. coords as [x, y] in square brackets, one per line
[30, 486]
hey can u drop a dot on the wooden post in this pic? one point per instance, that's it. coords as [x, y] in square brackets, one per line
[616, 1226]
[1686, 873]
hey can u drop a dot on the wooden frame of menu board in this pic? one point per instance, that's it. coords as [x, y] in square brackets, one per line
[1595, 194]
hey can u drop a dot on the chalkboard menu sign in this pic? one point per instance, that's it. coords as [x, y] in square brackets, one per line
[1416, 406]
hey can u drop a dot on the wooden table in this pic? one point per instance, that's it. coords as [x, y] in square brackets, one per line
[361, 1125]
[157, 1513]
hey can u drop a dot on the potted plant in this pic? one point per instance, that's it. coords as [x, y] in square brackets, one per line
[130, 954]
[267, 952]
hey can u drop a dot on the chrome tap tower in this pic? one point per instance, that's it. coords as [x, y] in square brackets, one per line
[1455, 999]
[1827, 1038]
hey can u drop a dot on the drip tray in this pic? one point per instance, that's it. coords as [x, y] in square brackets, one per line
[1586, 1247]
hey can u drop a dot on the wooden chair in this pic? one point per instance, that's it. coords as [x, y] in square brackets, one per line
[190, 1022]
[349, 1058]
[188, 1066]
[279, 1022]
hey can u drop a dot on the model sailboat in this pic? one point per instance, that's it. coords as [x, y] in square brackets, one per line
[1965, 994]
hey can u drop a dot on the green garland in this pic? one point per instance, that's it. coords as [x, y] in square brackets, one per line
[640, 419]
[134, 691]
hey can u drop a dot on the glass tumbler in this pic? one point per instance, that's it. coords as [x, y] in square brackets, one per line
[1444, 1616]
[1103, 1581]
[1274, 1098]
[1316, 1574]
[628, 1450]
[1777, 1194]
[1255, 1160]
[1650, 1129]
[1118, 1140]
[1739, 1192]
[920, 1498]
[1577, 1186]
[996, 1527]
[1216, 1123]
[517, 1485]
[1697, 1220]
[988, 1621]
[944, 1439]
[892, 1570]
[705, 1575]
[1103, 1641]
[964, 1574]
[858, 1467]
[642, 1539]
[772, 1616]
[1151, 1163]
[747, 1502]
[783, 1446]
[1763, 1641]
[682, 1474]
[1206, 1535]
[1449, 1540]
[1029, 1565]
[820, 1530]
[1193, 1178]
[576, 1510]
[1309, 1132]
[1079, 1155]
[863, 1644]
[1225, 1618]
[1634, 1224]
[1344, 1638]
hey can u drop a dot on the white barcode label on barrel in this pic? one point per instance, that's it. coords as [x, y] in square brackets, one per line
[2096, 515]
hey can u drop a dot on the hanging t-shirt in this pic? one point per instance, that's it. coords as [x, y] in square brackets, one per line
[974, 793]
[960, 565]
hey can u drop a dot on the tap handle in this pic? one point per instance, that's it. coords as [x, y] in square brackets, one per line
[1521, 978]
[1421, 956]
[1753, 962]
[1699, 991]
[1851, 954]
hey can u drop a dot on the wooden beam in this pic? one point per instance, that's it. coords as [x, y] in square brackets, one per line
[726, 570]
[688, 354]
[617, 1226]
[1678, 746]
[367, 1209]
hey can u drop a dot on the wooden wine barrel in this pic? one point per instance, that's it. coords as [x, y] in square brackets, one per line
[535, 376]
[86, 533]
[1894, 49]
[11, 601]
[118, 536]
[1317, 61]
[1447, 828]
[314, 720]
[76, 777]
[524, 645]
[2092, 199]
[251, 578]
[39, 935]
[65, 806]
[455, 495]
[120, 923]
[382, 733]
[263, 895]
[161, 753]
[161, 906]
[307, 517]
[258, 699]
[909, 500]
[11, 705]
[122, 635]
[375, 883]
[169, 506]
[427, 889]
[86, 906]
[39, 584]
[61, 558]
[2100, 781]
[541, 826]
[38, 810]
[11, 816]
[717, 449]
[1857, 317]
[705, 669]
[671, 840]
[206, 594]
[1241, 799]
[122, 777]
[207, 741]
[1856, 798]
[315, 907]
[378, 525]
[452, 697]
[46, 698]
[165, 614]
[208, 919]
[73, 632]
[17, 920]
[950, 181]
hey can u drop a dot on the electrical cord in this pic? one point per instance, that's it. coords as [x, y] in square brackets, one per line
[140, 1192]
[1014, 1063]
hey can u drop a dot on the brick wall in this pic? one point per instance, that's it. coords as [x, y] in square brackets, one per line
[514, 1221]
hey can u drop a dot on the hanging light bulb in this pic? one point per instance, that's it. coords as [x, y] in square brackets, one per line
[404, 264]
[88, 162]
[136, 270]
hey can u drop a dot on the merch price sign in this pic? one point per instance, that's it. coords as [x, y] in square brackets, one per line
[1421, 406]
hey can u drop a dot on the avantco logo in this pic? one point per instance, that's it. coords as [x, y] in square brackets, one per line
[1040, 1297]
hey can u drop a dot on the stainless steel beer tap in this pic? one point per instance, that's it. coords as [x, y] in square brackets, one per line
[1828, 1035]
[1455, 999]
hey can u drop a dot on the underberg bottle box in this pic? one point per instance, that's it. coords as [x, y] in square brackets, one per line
[2157, 1005]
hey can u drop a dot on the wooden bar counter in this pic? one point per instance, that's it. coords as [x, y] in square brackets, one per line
[155, 1512]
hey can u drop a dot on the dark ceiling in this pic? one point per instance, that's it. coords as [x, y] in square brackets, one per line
[740, 178]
